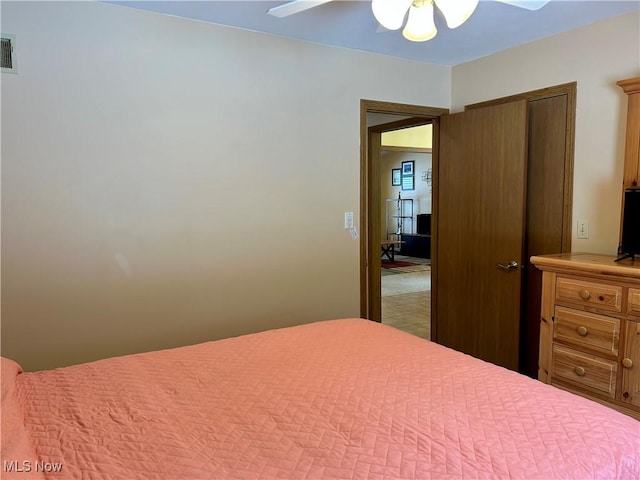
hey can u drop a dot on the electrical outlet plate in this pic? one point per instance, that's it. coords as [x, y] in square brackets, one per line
[583, 229]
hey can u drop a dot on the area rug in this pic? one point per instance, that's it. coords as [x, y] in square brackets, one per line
[397, 264]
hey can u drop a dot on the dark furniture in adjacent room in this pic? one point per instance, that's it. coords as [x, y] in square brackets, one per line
[418, 244]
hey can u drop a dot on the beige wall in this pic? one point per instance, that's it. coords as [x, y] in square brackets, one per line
[595, 57]
[166, 181]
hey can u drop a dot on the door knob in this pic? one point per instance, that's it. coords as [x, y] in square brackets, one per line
[510, 267]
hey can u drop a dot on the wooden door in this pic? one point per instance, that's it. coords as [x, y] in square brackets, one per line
[545, 211]
[481, 222]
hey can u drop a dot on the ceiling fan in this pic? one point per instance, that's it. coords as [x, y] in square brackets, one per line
[420, 24]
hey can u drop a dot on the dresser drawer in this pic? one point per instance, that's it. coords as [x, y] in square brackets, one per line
[633, 303]
[584, 329]
[585, 370]
[592, 294]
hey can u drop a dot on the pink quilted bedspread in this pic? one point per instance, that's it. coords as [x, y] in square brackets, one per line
[338, 399]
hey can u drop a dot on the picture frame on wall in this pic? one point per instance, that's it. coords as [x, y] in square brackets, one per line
[408, 182]
[408, 175]
[407, 168]
[396, 177]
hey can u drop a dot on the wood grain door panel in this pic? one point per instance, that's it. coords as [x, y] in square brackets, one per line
[481, 210]
[545, 210]
[375, 288]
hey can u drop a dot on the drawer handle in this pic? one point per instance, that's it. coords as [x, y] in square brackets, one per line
[585, 294]
[627, 362]
[580, 371]
[582, 331]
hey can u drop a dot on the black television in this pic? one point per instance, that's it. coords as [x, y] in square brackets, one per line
[424, 224]
[630, 245]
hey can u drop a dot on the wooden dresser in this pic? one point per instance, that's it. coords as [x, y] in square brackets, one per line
[590, 327]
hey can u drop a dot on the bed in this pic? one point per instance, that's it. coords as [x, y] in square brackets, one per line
[345, 399]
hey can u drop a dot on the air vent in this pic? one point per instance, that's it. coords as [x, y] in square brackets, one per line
[8, 53]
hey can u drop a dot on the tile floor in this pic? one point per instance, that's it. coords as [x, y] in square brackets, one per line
[406, 297]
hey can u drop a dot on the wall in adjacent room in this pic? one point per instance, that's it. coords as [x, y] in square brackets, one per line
[421, 194]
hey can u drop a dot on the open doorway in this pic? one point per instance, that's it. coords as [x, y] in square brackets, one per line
[406, 169]
[377, 118]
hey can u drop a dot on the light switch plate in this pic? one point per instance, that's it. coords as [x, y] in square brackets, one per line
[348, 220]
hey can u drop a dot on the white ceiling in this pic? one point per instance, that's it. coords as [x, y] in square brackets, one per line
[493, 27]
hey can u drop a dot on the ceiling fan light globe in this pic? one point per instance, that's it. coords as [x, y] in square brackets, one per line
[420, 26]
[456, 12]
[390, 13]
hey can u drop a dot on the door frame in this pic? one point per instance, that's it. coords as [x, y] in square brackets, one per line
[370, 210]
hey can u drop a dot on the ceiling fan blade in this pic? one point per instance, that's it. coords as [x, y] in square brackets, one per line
[295, 6]
[528, 4]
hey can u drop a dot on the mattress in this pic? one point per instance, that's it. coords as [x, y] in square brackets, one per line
[345, 399]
